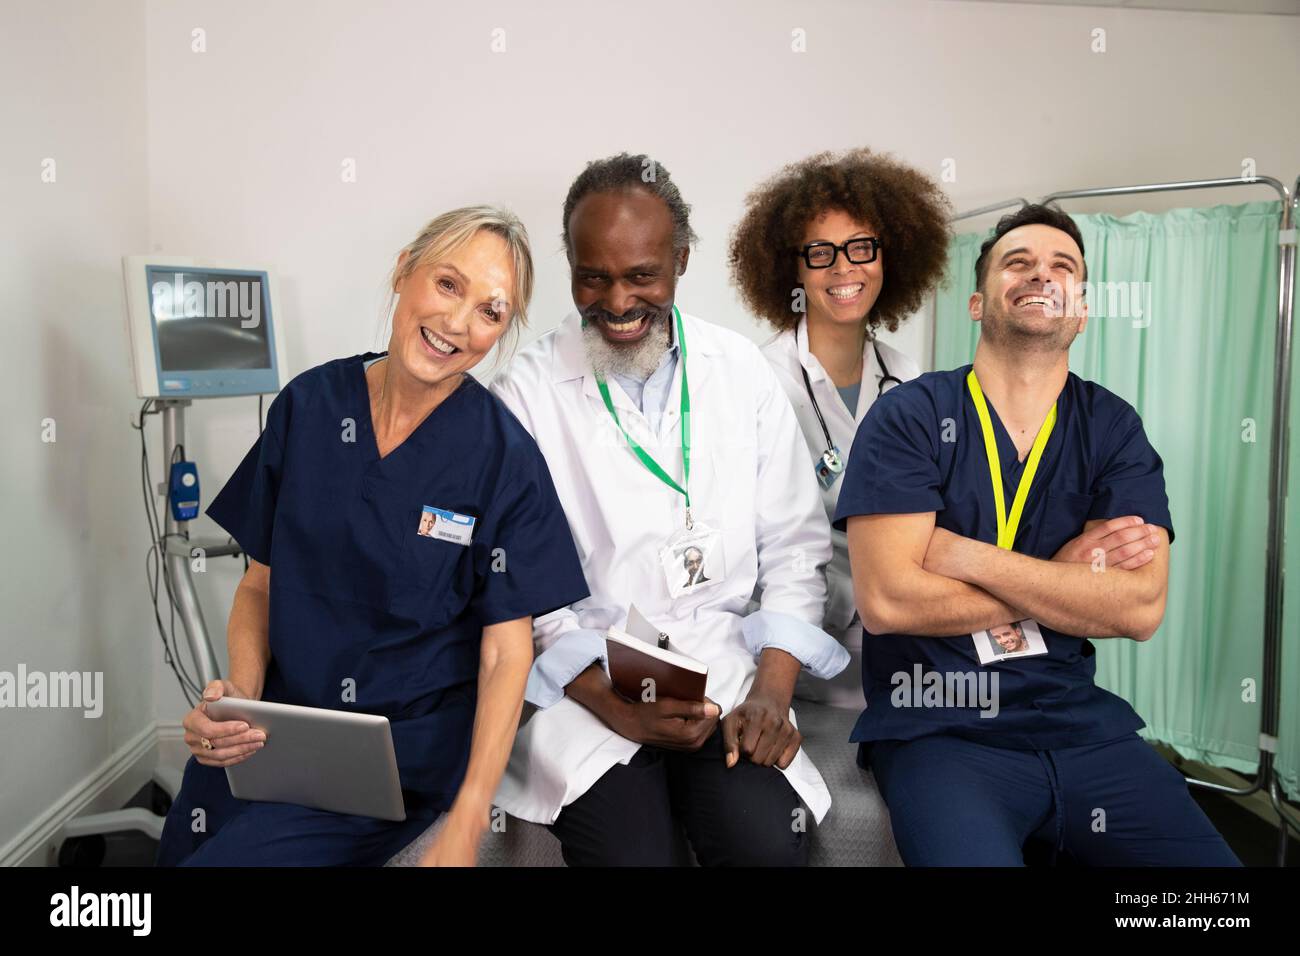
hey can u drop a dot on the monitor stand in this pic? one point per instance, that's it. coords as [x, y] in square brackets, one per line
[81, 840]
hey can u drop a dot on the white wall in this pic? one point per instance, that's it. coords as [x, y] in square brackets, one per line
[72, 89]
[246, 141]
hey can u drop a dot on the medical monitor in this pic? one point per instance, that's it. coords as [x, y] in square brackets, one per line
[202, 329]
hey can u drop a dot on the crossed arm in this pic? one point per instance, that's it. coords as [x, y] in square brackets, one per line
[910, 577]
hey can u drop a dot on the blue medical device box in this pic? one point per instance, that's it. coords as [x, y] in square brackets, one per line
[183, 491]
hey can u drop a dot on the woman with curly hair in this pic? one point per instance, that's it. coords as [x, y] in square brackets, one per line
[830, 250]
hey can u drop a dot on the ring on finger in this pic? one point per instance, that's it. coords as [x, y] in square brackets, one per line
[207, 744]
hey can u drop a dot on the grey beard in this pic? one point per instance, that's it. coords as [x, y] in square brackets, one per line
[636, 360]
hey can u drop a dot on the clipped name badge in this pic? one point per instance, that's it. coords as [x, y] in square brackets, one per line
[693, 560]
[447, 525]
[829, 467]
[1017, 639]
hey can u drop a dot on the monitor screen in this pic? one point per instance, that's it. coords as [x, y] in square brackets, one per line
[210, 319]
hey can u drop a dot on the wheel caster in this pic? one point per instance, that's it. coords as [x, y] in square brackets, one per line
[83, 852]
[160, 801]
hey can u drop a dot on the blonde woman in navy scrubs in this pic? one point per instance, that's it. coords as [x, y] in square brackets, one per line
[831, 250]
[343, 591]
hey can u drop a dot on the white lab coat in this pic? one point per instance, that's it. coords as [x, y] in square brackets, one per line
[749, 479]
[787, 351]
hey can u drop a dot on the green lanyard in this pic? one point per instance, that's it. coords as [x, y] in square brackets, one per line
[1007, 527]
[651, 465]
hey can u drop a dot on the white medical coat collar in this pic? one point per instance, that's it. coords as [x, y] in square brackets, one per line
[813, 365]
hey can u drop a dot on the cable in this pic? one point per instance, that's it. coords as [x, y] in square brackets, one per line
[188, 685]
[156, 571]
[159, 569]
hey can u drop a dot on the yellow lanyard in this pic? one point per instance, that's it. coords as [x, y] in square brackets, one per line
[1007, 527]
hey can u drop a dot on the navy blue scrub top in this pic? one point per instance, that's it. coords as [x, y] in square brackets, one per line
[1096, 464]
[358, 597]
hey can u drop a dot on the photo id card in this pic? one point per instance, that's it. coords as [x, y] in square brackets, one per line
[1017, 639]
[829, 467]
[447, 525]
[693, 560]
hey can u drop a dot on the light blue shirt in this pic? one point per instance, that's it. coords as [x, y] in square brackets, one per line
[651, 395]
[849, 395]
[556, 667]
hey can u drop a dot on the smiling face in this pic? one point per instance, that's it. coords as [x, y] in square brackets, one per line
[624, 269]
[1032, 290]
[846, 292]
[1007, 636]
[450, 313]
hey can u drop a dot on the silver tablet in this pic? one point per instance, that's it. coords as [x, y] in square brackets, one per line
[316, 757]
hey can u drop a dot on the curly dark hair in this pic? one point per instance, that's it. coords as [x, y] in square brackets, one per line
[907, 208]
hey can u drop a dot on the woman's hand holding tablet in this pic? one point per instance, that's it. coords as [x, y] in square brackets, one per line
[220, 743]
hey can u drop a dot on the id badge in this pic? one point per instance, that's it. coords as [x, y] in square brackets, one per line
[829, 467]
[1017, 639]
[693, 560]
[446, 525]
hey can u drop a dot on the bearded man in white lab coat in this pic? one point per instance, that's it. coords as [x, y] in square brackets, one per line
[664, 433]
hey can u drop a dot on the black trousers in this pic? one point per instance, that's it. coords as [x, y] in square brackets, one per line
[636, 813]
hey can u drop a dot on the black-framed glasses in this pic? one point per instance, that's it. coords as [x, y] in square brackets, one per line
[822, 255]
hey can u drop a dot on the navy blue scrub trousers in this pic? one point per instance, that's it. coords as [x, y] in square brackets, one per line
[254, 833]
[954, 802]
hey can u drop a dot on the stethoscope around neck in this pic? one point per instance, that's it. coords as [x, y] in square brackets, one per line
[831, 456]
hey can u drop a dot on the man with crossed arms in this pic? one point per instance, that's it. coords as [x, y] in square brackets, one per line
[1081, 492]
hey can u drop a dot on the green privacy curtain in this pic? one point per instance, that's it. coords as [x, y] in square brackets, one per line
[1183, 328]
